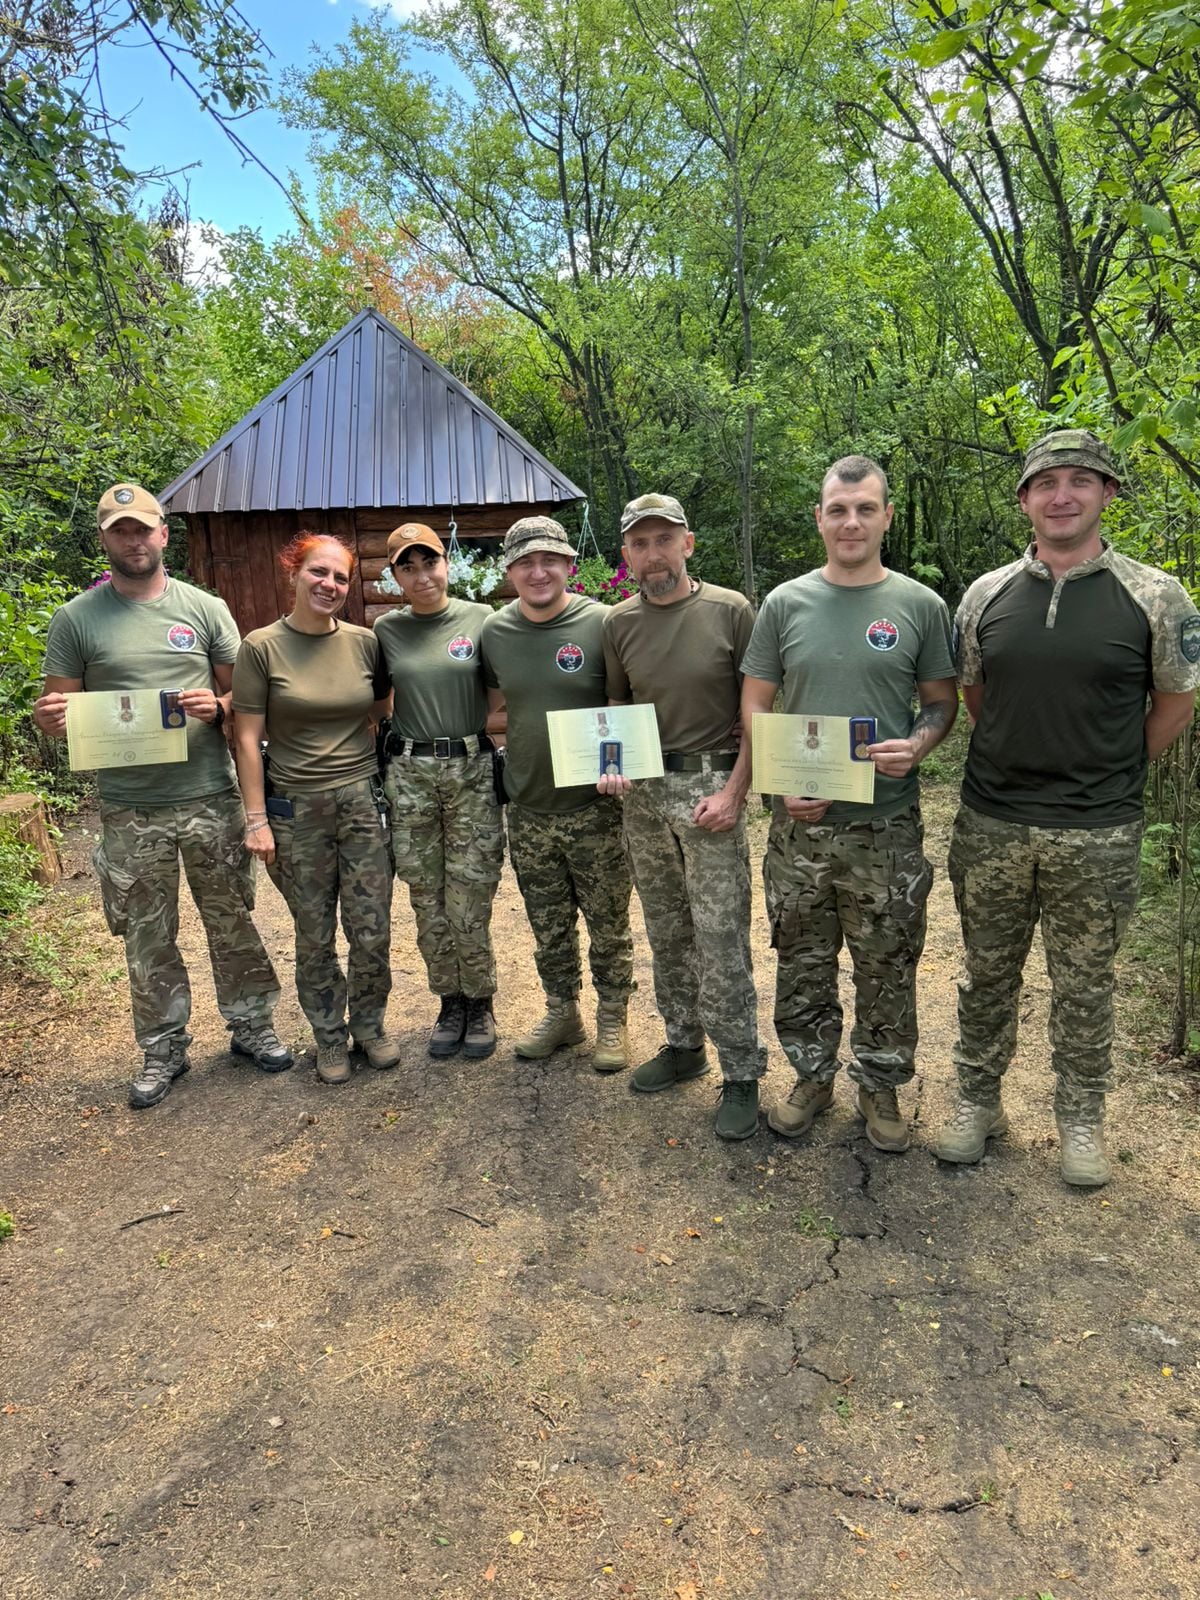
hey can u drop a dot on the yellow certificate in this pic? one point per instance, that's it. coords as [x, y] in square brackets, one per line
[819, 758]
[123, 728]
[609, 740]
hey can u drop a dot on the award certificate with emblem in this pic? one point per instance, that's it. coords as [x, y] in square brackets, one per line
[818, 758]
[584, 745]
[125, 728]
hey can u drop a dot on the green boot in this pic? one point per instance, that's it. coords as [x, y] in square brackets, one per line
[561, 1025]
[670, 1066]
[737, 1114]
[965, 1134]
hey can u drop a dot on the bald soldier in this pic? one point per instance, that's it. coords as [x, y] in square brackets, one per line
[146, 631]
[1078, 667]
[677, 645]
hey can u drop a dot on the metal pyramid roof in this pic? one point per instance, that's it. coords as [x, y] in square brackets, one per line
[369, 420]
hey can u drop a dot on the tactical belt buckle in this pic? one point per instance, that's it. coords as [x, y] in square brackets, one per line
[441, 749]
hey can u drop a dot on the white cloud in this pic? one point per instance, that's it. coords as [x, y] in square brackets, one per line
[399, 8]
[202, 246]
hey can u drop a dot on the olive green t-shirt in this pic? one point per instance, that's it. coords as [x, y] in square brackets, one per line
[315, 690]
[539, 667]
[684, 658]
[849, 651]
[111, 643]
[436, 670]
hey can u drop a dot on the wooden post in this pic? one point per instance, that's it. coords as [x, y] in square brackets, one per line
[24, 816]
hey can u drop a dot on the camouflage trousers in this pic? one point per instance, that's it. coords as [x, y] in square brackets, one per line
[867, 883]
[448, 841]
[566, 863]
[137, 863]
[337, 849]
[694, 886]
[1083, 884]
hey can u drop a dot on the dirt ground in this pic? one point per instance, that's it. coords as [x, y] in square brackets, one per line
[505, 1330]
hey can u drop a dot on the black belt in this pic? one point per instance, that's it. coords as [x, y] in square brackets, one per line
[443, 749]
[712, 760]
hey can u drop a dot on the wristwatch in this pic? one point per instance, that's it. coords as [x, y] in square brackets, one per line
[219, 720]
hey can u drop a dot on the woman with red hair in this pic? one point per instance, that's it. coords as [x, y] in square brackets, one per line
[313, 686]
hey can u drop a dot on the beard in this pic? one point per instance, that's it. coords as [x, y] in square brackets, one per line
[147, 569]
[656, 584]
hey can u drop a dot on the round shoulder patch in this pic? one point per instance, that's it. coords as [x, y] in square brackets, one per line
[882, 634]
[181, 636]
[569, 658]
[461, 649]
[1189, 639]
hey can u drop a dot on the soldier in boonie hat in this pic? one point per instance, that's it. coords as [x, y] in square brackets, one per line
[529, 534]
[128, 500]
[663, 506]
[1068, 447]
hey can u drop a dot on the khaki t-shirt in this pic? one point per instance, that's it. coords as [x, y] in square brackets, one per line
[684, 659]
[539, 667]
[315, 690]
[112, 643]
[436, 670]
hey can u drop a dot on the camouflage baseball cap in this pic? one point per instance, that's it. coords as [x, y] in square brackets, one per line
[663, 506]
[128, 500]
[536, 533]
[1068, 447]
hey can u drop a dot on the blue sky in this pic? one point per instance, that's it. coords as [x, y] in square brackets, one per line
[167, 129]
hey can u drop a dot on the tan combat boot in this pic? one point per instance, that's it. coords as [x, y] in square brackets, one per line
[968, 1128]
[796, 1114]
[1081, 1149]
[612, 1040]
[561, 1025]
[880, 1110]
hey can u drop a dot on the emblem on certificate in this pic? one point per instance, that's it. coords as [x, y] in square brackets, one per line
[173, 715]
[862, 736]
[812, 739]
[126, 713]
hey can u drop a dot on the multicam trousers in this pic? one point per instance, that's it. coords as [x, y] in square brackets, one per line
[337, 847]
[867, 883]
[137, 863]
[566, 863]
[1083, 883]
[448, 842]
[694, 886]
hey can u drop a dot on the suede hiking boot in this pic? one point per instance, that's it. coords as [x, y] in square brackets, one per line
[886, 1128]
[447, 1033]
[561, 1025]
[737, 1112]
[1081, 1150]
[333, 1063]
[673, 1064]
[381, 1053]
[796, 1114]
[965, 1133]
[263, 1048]
[612, 1040]
[157, 1077]
[479, 1040]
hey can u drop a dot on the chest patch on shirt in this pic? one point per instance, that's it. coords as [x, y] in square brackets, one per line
[569, 658]
[181, 636]
[460, 649]
[882, 634]
[1189, 638]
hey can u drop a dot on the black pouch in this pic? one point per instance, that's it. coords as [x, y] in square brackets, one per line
[499, 762]
[383, 754]
[277, 806]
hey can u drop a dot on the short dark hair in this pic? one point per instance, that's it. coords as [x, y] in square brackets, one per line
[853, 469]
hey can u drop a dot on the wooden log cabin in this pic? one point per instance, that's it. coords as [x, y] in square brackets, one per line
[368, 433]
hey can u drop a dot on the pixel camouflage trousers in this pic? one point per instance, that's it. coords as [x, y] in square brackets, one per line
[137, 863]
[865, 882]
[694, 886]
[448, 842]
[337, 847]
[566, 863]
[1083, 883]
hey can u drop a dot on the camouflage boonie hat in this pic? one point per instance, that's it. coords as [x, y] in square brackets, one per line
[663, 506]
[1068, 447]
[536, 533]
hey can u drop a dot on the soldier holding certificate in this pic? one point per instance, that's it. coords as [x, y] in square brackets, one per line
[146, 631]
[853, 640]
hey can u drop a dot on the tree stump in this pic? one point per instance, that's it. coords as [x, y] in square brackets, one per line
[24, 816]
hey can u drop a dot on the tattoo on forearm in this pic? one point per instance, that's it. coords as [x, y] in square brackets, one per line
[934, 720]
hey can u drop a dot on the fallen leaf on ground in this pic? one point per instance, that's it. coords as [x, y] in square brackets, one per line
[516, 1536]
[686, 1591]
[853, 1527]
[489, 1574]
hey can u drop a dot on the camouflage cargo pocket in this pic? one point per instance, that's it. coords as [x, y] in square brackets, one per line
[116, 888]
[279, 869]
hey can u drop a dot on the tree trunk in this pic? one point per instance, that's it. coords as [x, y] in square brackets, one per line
[24, 817]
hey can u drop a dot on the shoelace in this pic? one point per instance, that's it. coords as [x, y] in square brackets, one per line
[1082, 1138]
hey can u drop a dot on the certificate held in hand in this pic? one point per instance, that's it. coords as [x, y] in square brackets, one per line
[125, 728]
[818, 758]
[602, 742]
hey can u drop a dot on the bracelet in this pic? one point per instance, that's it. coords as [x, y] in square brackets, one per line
[250, 814]
[256, 827]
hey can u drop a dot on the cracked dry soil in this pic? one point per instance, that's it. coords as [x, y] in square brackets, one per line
[504, 1329]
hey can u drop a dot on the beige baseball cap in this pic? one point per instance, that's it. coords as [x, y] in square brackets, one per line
[663, 506]
[412, 533]
[128, 500]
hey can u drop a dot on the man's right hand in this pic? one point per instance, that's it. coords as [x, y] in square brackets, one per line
[801, 809]
[50, 714]
[613, 783]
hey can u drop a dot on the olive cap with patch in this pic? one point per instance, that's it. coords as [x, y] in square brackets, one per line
[128, 500]
[1068, 447]
[530, 534]
[663, 506]
[412, 533]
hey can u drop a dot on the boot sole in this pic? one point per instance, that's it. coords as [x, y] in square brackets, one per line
[1087, 1183]
[891, 1146]
[439, 1052]
[143, 1102]
[479, 1052]
[972, 1157]
[657, 1088]
[733, 1138]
